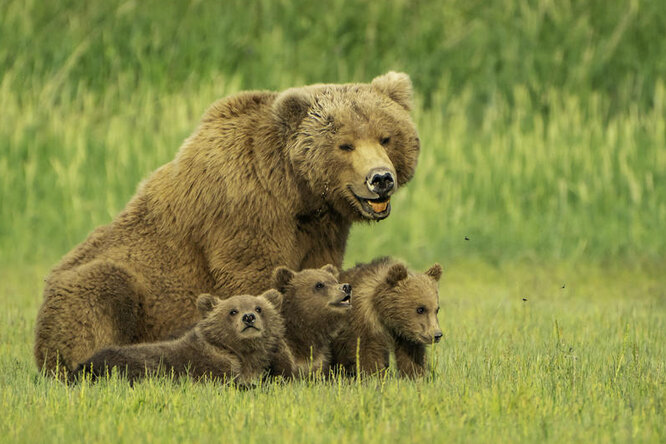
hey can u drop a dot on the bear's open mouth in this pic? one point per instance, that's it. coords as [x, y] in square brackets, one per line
[372, 206]
[376, 208]
[379, 205]
[344, 302]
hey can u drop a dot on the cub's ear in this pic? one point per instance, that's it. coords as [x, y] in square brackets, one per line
[274, 297]
[435, 272]
[330, 268]
[282, 276]
[396, 85]
[291, 107]
[395, 274]
[206, 303]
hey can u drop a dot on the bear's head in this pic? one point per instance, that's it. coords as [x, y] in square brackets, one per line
[352, 145]
[312, 296]
[240, 323]
[407, 304]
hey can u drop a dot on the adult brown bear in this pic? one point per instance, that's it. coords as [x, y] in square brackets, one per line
[267, 179]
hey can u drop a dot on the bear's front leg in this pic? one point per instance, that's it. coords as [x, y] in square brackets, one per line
[410, 358]
[282, 361]
[373, 355]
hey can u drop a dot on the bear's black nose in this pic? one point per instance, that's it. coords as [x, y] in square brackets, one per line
[438, 336]
[249, 318]
[346, 288]
[380, 181]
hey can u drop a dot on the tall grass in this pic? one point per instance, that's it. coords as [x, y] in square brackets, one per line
[542, 122]
[613, 48]
[570, 184]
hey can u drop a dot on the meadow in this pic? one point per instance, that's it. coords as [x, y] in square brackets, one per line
[543, 131]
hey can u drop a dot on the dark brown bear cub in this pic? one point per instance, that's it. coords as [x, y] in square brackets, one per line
[314, 306]
[393, 310]
[236, 339]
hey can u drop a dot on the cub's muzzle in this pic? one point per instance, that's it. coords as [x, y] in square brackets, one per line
[249, 318]
[345, 300]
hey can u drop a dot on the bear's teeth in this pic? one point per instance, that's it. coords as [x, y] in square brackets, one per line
[378, 207]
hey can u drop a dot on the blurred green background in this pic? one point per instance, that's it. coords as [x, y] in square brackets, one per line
[542, 122]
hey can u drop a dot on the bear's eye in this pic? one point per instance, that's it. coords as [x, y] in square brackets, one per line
[420, 310]
[385, 141]
[347, 147]
[233, 312]
[319, 285]
[258, 309]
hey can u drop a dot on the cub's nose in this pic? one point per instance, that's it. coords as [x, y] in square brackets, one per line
[249, 318]
[346, 288]
[380, 181]
[438, 336]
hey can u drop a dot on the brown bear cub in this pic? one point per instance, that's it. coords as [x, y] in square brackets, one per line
[314, 306]
[236, 339]
[394, 310]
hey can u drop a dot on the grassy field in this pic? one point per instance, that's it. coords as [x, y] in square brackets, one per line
[543, 127]
[584, 363]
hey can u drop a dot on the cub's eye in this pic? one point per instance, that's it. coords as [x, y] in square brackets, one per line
[385, 140]
[319, 285]
[258, 309]
[233, 312]
[346, 147]
[420, 310]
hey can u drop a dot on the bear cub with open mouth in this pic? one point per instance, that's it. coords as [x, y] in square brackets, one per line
[236, 339]
[314, 306]
[394, 310]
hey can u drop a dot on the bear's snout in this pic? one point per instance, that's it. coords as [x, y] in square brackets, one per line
[438, 335]
[347, 288]
[249, 318]
[380, 181]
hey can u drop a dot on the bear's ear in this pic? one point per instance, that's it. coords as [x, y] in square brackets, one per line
[435, 272]
[206, 303]
[396, 85]
[395, 274]
[292, 106]
[282, 276]
[330, 268]
[274, 297]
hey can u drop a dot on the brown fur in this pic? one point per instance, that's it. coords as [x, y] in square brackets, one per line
[314, 306]
[384, 318]
[220, 346]
[262, 182]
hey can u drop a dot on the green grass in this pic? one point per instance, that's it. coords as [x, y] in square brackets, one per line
[579, 364]
[557, 155]
[544, 143]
